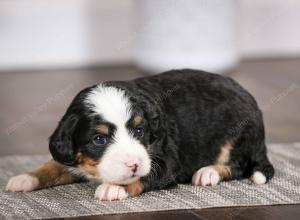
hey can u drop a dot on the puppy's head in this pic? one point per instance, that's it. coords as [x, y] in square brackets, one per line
[106, 134]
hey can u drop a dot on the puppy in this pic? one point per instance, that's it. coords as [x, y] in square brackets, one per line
[151, 133]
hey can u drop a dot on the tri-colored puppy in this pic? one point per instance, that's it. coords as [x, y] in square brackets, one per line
[154, 132]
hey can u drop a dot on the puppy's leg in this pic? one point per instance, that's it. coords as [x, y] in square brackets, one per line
[224, 167]
[263, 170]
[110, 192]
[211, 175]
[117, 192]
[49, 174]
[135, 189]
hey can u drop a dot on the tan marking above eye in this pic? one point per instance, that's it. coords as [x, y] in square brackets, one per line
[103, 129]
[137, 120]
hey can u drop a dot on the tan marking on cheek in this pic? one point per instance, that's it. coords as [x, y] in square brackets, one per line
[89, 166]
[103, 129]
[137, 120]
[135, 189]
[90, 170]
[90, 162]
[224, 171]
[224, 155]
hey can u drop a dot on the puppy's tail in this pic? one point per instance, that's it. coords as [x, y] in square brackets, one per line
[263, 170]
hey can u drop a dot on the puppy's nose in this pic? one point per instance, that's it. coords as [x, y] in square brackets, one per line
[132, 166]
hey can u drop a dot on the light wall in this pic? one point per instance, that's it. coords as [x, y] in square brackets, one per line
[270, 28]
[74, 33]
[63, 33]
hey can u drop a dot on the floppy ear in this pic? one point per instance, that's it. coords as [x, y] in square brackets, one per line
[155, 119]
[61, 141]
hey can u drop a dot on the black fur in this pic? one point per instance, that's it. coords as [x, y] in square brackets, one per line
[189, 115]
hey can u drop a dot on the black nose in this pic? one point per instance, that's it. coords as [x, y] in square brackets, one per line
[133, 167]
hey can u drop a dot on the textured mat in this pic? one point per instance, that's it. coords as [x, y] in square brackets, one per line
[77, 199]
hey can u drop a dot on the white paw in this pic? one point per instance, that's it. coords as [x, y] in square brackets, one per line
[23, 183]
[206, 176]
[110, 192]
[259, 178]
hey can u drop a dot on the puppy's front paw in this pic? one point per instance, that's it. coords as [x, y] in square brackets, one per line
[206, 176]
[110, 192]
[23, 183]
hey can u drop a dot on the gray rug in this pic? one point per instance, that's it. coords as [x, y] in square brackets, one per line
[77, 199]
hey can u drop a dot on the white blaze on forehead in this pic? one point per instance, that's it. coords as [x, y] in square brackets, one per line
[113, 106]
[111, 103]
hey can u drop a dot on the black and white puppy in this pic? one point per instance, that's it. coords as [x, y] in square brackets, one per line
[151, 133]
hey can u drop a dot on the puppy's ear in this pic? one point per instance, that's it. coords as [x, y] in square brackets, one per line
[155, 120]
[61, 141]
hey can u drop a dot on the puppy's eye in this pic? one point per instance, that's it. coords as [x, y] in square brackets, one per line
[99, 140]
[139, 132]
